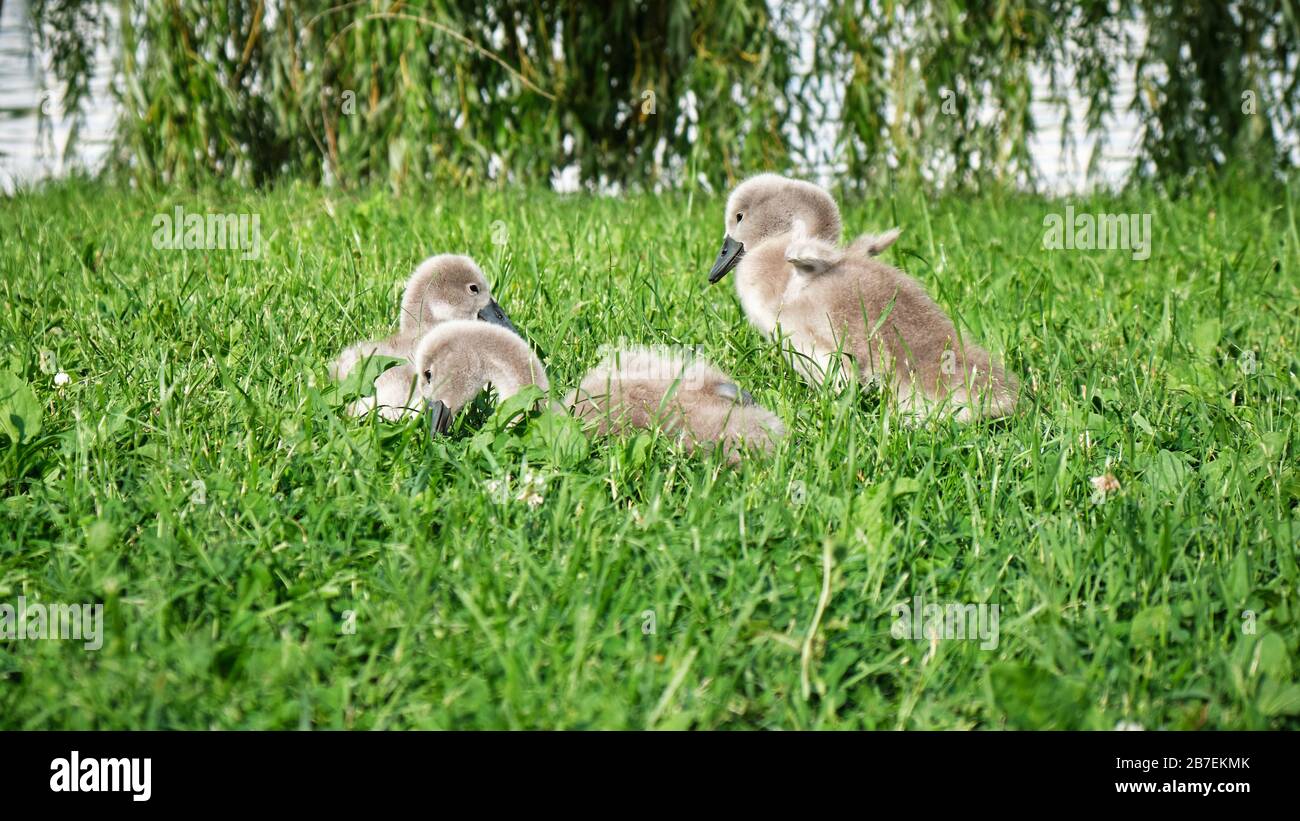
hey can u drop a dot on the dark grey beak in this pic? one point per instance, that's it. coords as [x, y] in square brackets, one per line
[730, 254]
[439, 417]
[737, 394]
[493, 313]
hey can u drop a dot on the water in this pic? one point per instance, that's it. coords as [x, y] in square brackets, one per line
[30, 151]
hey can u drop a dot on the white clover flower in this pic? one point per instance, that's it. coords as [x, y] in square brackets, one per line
[528, 489]
[498, 489]
[530, 479]
[1105, 483]
[61, 379]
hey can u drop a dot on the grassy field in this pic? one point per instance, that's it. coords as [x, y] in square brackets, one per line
[265, 561]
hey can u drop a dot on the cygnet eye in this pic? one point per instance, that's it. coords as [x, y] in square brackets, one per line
[739, 217]
[473, 289]
[428, 376]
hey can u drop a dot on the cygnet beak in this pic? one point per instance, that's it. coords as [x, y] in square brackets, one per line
[727, 259]
[493, 313]
[439, 417]
[737, 394]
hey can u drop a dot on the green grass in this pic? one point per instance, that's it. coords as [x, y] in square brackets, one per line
[227, 608]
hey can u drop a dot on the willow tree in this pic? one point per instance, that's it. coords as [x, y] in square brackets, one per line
[941, 90]
[649, 92]
[452, 90]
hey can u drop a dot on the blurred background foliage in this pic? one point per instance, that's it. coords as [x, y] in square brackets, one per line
[672, 92]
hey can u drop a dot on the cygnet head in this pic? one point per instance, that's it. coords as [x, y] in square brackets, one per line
[767, 206]
[448, 287]
[457, 359]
